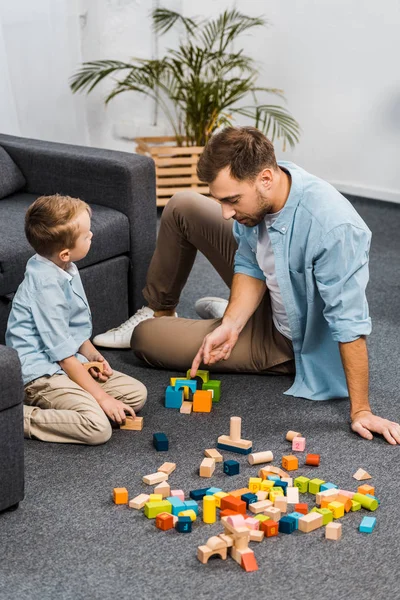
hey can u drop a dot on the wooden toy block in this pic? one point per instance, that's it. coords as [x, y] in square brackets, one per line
[313, 460]
[314, 485]
[184, 525]
[237, 554]
[366, 502]
[120, 496]
[186, 408]
[273, 513]
[328, 486]
[260, 517]
[367, 525]
[164, 521]
[227, 538]
[310, 522]
[274, 493]
[261, 496]
[270, 528]
[260, 507]
[355, 506]
[249, 562]
[239, 493]
[251, 523]
[292, 495]
[94, 364]
[260, 457]
[236, 521]
[132, 424]
[281, 503]
[337, 509]
[231, 467]
[152, 509]
[238, 532]
[218, 497]
[177, 505]
[298, 444]
[361, 475]
[202, 401]
[302, 507]
[345, 500]
[256, 535]
[188, 513]
[234, 442]
[333, 531]
[173, 381]
[163, 488]
[203, 374]
[189, 384]
[366, 489]
[266, 485]
[288, 480]
[191, 505]
[301, 483]
[213, 386]
[227, 512]
[155, 478]
[141, 500]
[271, 470]
[167, 467]
[255, 484]
[160, 442]
[287, 524]
[212, 491]
[234, 504]
[291, 435]
[198, 494]
[173, 397]
[290, 462]
[204, 553]
[155, 497]
[216, 543]
[213, 453]
[326, 495]
[346, 493]
[327, 515]
[207, 467]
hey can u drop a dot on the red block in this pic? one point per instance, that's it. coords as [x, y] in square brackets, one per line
[234, 504]
[313, 460]
[302, 507]
[164, 521]
[228, 513]
[270, 528]
[249, 562]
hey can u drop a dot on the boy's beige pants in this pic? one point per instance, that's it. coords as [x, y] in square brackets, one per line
[192, 222]
[58, 410]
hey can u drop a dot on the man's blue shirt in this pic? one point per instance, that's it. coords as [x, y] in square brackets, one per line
[321, 249]
[50, 318]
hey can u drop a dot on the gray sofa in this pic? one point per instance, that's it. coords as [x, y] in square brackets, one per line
[120, 189]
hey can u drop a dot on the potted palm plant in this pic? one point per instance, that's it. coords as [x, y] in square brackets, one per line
[200, 86]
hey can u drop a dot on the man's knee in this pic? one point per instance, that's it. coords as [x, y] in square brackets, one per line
[183, 203]
[141, 336]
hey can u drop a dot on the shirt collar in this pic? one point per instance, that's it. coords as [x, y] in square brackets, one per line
[286, 215]
[68, 273]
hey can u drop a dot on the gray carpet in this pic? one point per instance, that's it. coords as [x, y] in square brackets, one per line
[68, 541]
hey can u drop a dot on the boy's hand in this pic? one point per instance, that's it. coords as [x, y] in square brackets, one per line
[107, 371]
[115, 409]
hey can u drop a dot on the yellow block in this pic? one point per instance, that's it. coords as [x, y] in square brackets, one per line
[185, 389]
[274, 493]
[188, 513]
[267, 485]
[155, 497]
[337, 508]
[255, 484]
[218, 497]
[209, 509]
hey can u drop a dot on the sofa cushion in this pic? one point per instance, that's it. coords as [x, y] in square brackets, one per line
[110, 238]
[11, 178]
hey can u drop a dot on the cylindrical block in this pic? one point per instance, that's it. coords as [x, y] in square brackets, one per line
[236, 426]
[209, 509]
[260, 457]
[368, 503]
[291, 435]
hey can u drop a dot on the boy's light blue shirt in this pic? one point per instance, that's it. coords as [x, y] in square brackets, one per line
[50, 318]
[321, 249]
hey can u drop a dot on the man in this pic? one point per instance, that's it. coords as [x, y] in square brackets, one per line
[297, 266]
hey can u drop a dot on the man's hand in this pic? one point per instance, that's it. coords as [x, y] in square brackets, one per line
[364, 423]
[216, 346]
[115, 409]
[107, 371]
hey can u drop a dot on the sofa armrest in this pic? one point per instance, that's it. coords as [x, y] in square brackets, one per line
[11, 388]
[119, 180]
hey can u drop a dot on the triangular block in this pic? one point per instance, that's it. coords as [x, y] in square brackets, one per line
[249, 562]
[360, 475]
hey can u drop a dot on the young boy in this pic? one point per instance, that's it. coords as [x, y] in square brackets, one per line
[50, 326]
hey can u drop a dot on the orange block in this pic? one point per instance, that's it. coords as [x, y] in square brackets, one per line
[120, 496]
[366, 489]
[202, 401]
[165, 521]
[290, 462]
[270, 528]
[345, 500]
[249, 562]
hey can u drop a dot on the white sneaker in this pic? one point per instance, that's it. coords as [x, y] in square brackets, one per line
[120, 337]
[211, 308]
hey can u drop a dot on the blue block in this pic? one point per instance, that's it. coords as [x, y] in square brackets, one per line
[281, 484]
[296, 516]
[160, 442]
[367, 524]
[213, 490]
[190, 383]
[177, 505]
[173, 398]
[231, 467]
[184, 525]
[198, 494]
[273, 477]
[191, 505]
[249, 498]
[374, 497]
[234, 449]
[327, 486]
[287, 524]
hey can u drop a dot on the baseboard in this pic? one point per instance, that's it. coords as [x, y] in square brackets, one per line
[367, 192]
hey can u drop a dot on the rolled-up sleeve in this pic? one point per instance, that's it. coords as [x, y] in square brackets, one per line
[342, 273]
[50, 312]
[245, 259]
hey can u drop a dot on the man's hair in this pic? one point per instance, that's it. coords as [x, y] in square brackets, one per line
[50, 223]
[245, 150]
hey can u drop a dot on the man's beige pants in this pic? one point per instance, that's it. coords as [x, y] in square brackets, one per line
[191, 222]
[58, 410]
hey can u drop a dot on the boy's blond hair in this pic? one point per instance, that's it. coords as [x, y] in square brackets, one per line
[50, 223]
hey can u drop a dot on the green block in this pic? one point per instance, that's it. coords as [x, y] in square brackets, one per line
[368, 503]
[204, 375]
[355, 505]
[152, 509]
[261, 518]
[327, 515]
[314, 485]
[215, 386]
[302, 484]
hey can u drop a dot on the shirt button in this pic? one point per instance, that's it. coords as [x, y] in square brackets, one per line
[283, 229]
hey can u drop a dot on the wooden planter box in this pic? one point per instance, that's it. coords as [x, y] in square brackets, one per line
[175, 166]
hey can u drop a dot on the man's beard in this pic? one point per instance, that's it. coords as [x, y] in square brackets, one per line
[263, 208]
